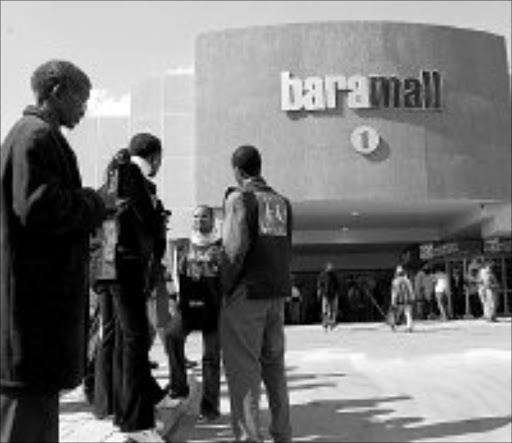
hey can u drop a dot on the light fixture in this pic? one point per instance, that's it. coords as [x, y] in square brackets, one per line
[344, 228]
[354, 214]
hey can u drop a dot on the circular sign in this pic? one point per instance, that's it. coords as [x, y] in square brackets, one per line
[365, 139]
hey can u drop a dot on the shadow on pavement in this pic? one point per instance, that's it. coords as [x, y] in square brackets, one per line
[430, 330]
[329, 421]
[337, 421]
[295, 381]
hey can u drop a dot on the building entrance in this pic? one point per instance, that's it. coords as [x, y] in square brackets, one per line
[364, 295]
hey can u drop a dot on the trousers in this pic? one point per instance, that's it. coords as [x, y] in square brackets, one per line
[252, 342]
[29, 417]
[138, 391]
[175, 336]
[105, 364]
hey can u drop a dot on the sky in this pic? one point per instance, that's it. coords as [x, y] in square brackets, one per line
[118, 43]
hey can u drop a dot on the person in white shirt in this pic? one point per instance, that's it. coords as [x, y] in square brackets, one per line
[487, 290]
[442, 293]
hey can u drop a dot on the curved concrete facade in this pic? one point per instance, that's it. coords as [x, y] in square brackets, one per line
[460, 151]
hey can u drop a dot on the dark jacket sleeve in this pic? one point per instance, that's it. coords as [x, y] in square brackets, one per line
[40, 199]
[160, 231]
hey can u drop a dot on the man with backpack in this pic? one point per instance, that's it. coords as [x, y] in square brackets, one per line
[327, 291]
[133, 245]
[402, 299]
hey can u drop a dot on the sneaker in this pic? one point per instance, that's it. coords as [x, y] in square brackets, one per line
[147, 435]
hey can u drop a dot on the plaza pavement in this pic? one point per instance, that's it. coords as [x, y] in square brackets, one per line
[360, 383]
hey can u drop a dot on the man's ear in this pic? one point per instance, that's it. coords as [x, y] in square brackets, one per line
[56, 91]
[239, 174]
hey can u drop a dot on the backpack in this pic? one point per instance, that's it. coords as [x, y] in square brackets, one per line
[105, 239]
[403, 292]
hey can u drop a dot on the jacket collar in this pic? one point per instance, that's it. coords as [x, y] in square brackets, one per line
[43, 114]
[255, 184]
[143, 165]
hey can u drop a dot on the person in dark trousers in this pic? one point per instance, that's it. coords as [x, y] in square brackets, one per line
[420, 308]
[328, 291]
[257, 239]
[138, 248]
[45, 223]
[198, 306]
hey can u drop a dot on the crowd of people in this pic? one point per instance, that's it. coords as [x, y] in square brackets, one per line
[61, 240]
[426, 294]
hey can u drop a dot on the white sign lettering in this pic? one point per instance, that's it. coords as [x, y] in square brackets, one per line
[362, 92]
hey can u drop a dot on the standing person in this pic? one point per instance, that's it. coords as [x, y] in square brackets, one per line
[402, 298]
[420, 293]
[199, 296]
[139, 248]
[476, 303]
[328, 291]
[257, 242]
[45, 223]
[428, 283]
[442, 293]
[458, 296]
[487, 289]
[295, 304]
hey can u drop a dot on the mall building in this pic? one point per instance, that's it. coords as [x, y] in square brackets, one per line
[392, 140]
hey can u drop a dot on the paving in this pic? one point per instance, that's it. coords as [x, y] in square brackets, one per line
[446, 381]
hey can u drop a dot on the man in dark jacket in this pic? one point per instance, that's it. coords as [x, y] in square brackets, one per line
[45, 222]
[255, 275]
[123, 367]
[328, 292]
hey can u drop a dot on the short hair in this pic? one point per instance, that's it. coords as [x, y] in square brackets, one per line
[207, 208]
[144, 145]
[248, 159]
[58, 72]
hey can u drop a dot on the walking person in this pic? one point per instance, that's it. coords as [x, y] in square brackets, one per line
[198, 305]
[139, 245]
[420, 293]
[458, 295]
[402, 298]
[328, 291]
[45, 224]
[442, 294]
[471, 281]
[487, 289]
[256, 237]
